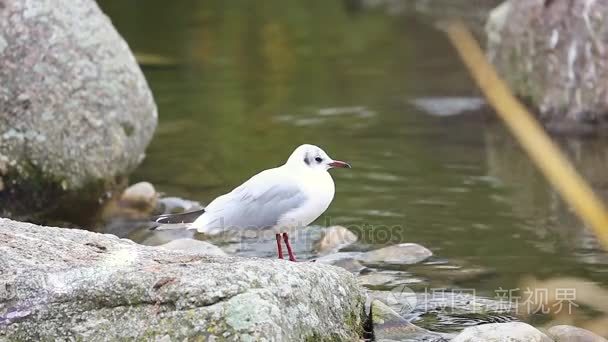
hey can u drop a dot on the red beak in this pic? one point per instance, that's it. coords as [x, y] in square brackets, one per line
[340, 164]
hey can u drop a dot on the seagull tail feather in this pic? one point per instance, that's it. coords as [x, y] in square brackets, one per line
[175, 221]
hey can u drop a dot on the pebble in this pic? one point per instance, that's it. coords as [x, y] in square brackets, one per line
[142, 192]
[335, 238]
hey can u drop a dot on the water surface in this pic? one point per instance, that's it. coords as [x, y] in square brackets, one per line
[241, 84]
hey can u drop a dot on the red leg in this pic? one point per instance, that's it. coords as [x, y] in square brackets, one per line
[292, 257]
[279, 247]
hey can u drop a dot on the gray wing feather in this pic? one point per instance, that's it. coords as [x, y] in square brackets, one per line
[265, 210]
[257, 204]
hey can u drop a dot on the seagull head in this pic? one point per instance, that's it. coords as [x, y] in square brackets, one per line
[313, 157]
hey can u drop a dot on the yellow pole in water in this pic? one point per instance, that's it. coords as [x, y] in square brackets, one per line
[543, 152]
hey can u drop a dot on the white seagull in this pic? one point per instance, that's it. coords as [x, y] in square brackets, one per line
[289, 196]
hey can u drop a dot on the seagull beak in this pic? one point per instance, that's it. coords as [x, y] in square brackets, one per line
[341, 164]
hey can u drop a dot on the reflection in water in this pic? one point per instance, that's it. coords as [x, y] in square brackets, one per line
[256, 79]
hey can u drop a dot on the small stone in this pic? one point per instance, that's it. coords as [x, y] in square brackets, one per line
[389, 325]
[401, 254]
[140, 192]
[498, 332]
[138, 200]
[568, 333]
[191, 245]
[335, 238]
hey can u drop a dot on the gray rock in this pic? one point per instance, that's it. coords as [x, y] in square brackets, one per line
[401, 254]
[350, 265]
[500, 332]
[389, 325]
[335, 238]
[62, 284]
[376, 279]
[346, 260]
[332, 259]
[552, 54]
[568, 333]
[75, 109]
[191, 245]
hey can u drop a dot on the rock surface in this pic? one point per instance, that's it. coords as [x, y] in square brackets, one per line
[568, 333]
[60, 284]
[554, 54]
[75, 108]
[499, 332]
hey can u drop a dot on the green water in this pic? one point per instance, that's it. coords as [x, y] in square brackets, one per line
[246, 82]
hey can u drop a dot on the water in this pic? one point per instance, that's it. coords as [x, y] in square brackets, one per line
[241, 84]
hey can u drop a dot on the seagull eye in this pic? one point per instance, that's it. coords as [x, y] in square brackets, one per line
[318, 159]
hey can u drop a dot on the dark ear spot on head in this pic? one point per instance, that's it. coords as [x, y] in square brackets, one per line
[307, 160]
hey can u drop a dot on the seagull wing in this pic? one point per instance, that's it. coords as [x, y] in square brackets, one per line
[258, 203]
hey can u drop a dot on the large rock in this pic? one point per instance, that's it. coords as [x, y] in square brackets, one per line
[499, 332]
[60, 284]
[553, 53]
[75, 109]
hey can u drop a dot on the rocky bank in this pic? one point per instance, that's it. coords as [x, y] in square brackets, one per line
[60, 283]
